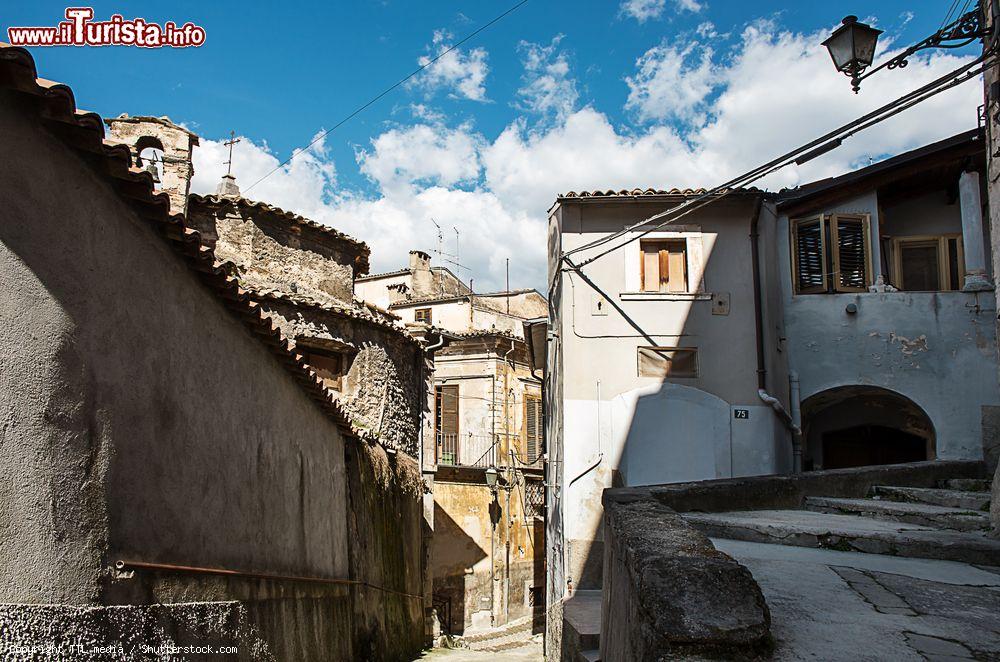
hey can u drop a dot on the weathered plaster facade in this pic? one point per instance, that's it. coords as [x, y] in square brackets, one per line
[151, 415]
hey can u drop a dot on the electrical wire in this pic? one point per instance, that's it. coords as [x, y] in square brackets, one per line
[953, 78]
[389, 89]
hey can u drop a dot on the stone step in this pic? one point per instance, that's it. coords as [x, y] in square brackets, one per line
[593, 655]
[936, 497]
[966, 484]
[805, 528]
[903, 511]
[581, 624]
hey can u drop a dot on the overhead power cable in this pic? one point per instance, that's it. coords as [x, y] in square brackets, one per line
[798, 155]
[389, 89]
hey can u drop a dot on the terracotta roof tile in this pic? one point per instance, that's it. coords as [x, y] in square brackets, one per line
[84, 131]
[638, 192]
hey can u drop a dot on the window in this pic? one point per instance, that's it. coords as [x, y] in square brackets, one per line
[446, 423]
[422, 315]
[329, 366]
[928, 263]
[664, 265]
[831, 254]
[668, 362]
[533, 426]
[534, 498]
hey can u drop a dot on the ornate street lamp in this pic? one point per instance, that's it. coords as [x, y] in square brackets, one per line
[491, 478]
[852, 45]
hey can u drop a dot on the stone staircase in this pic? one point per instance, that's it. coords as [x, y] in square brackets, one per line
[949, 522]
[512, 635]
[582, 627]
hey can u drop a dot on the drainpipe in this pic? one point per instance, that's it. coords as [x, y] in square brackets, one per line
[789, 420]
[757, 304]
[429, 351]
[795, 393]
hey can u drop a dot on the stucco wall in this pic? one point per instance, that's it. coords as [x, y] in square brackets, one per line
[620, 427]
[936, 348]
[140, 420]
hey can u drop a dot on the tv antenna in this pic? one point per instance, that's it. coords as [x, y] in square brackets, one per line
[447, 258]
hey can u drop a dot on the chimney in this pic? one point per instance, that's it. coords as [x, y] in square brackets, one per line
[421, 276]
[420, 261]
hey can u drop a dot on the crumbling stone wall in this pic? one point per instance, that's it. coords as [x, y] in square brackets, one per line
[387, 553]
[272, 250]
[382, 393]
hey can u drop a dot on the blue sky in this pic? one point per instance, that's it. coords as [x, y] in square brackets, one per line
[476, 142]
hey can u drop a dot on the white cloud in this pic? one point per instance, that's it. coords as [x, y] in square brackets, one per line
[644, 10]
[671, 81]
[462, 74]
[547, 87]
[773, 91]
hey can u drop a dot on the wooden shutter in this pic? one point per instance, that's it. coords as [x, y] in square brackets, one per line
[448, 409]
[809, 264]
[533, 426]
[851, 254]
[676, 267]
[650, 267]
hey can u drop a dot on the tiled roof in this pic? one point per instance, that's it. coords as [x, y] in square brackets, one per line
[386, 274]
[360, 247]
[84, 132]
[638, 192]
[434, 299]
[361, 311]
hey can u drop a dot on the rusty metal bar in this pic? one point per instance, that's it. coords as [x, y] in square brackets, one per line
[122, 564]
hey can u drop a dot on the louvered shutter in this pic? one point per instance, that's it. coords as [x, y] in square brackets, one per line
[809, 244]
[849, 235]
[533, 426]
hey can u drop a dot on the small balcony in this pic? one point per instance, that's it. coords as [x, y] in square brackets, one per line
[466, 450]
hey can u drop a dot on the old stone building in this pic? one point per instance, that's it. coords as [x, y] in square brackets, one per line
[483, 453]
[185, 469]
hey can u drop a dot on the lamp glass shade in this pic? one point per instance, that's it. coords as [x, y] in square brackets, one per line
[491, 477]
[852, 45]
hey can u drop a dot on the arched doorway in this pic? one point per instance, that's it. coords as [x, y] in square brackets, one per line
[854, 426]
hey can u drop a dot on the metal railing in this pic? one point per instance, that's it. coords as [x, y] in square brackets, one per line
[466, 450]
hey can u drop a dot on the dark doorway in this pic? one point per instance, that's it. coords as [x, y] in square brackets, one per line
[856, 426]
[864, 445]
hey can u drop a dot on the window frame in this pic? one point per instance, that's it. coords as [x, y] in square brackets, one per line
[835, 250]
[829, 252]
[944, 273]
[682, 241]
[695, 374]
[430, 316]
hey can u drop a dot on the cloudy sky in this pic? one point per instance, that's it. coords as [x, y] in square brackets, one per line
[558, 96]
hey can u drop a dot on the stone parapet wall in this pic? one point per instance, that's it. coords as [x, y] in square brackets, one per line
[668, 591]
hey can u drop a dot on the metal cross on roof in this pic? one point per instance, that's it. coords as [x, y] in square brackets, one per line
[232, 141]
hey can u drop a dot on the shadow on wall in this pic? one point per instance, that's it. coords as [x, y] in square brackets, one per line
[456, 584]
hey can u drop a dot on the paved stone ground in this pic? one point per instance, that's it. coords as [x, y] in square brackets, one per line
[831, 605]
[530, 652]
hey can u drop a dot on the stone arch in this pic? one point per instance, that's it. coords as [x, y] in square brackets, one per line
[861, 425]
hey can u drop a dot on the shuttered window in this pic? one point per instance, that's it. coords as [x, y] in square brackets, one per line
[930, 263]
[664, 265]
[809, 261]
[446, 423]
[422, 315]
[831, 254]
[850, 253]
[533, 426]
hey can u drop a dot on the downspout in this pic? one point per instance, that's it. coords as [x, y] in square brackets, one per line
[429, 351]
[795, 394]
[758, 310]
